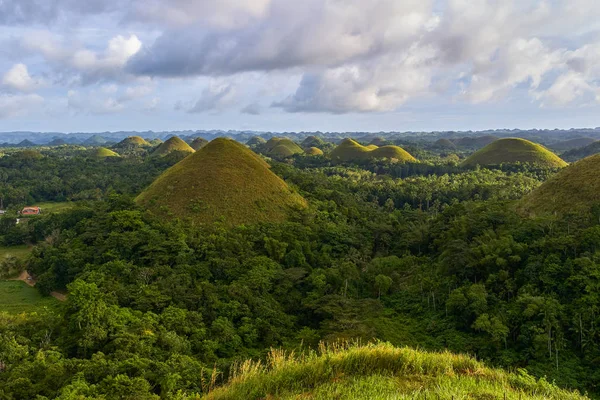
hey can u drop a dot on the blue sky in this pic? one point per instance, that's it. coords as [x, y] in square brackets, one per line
[280, 65]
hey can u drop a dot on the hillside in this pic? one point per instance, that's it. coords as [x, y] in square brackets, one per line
[513, 150]
[198, 143]
[281, 148]
[313, 151]
[578, 154]
[444, 144]
[223, 181]
[312, 141]
[171, 145]
[574, 189]
[380, 371]
[379, 141]
[350, 150]
[476, 142]
[103, 152]
[256, 141]
[572, 144]
[132, 142]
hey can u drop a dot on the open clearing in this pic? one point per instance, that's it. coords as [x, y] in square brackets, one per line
[16, 251]
[17, 297]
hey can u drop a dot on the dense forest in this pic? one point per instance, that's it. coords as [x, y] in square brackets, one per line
[428, 254]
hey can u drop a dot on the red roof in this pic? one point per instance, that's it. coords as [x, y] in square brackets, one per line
[30, 210]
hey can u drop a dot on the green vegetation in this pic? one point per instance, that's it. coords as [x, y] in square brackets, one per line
[379, 371]
[514, 150]
[103, 152]
[313, 151]
[281, 148]
[312, 141]
[574, 190]
[577, 154]
[198, 143]
[256, 141]
[379, 141]
[476, 142]
[445, 144]
[19, 252]
[350, 150]
[174, 144]
[18, 297]
[572, 144]
[132, 142]
[223, 181]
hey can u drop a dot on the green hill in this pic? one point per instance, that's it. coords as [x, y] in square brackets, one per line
[380, 371]
[572, 144]
[350, 150]
[171, 145]
[156, 142]
[444, 144]
[57, 142]
[379, 141]
[313, 151]
[223, 181]
[102, 152]
[281, 148]
[312, 141]
[198, 143]
[574, 189]
[95, 141]
[255, 141]
[578, 154]
[132, 142]
[513, 150]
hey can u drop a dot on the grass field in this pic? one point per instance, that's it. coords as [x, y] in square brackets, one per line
[48, 208]
[17, 251]
[17, 297]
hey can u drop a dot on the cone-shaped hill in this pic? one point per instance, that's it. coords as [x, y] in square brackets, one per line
[444, 143]
[222, 181]
[132, 142]
[255, 141]
[379, 141]
[350, 150]
[514, 150]
[312, 141]
[172, 145]
[281, 148]
[577, 154]
[574, 189]
[198, 143]
[313, 151]
[103, 152]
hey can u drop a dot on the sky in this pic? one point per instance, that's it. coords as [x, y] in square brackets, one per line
[287, 65]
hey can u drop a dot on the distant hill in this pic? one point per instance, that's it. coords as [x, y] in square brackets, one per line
[578, 154]
[351, 150]
[198, 143]
[132, 142]
[513, 150]
[156, 142]
[312, 141]
[574, 189]
[380, 371]
[57, 142]
[379, 141]
[26, 143]
[445, 144]
[255, 141]
[281, 148]
[572, 144]
[95, 140]
[171, 145]
[474, 142]
[224, 181]
[313, 151]
[103, 152]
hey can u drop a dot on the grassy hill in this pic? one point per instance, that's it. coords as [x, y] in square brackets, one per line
[350, 150]
[224, 181]
[132, 142]
[103, 152]
[255, 141]
[312, 141]
[172, 145]
[572, 144]
[313, 151]
[198, 143]
[380, 371]
[574, 189]
[444, 144]
[513, 150]
[281, 148]
[578, 154]
[379, 141]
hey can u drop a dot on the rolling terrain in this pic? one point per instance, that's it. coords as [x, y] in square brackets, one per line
[514, 150]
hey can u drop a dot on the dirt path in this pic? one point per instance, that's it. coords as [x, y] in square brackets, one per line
[28, 279]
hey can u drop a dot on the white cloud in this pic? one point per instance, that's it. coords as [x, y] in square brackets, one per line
[93, 103]
[215, 97]
[18, 78]
[19, 105]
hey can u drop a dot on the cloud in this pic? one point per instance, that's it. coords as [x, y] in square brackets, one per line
[93, 103]
[214, 98]
[48, 11]
[252, 109]
[18, 78]
[18, 105]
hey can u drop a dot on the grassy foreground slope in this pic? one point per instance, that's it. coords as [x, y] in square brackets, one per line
[351, 150]
[380, 371]
[574, 189]
[514, 150]
[171, 145]
[223, 181]
[17, 297]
